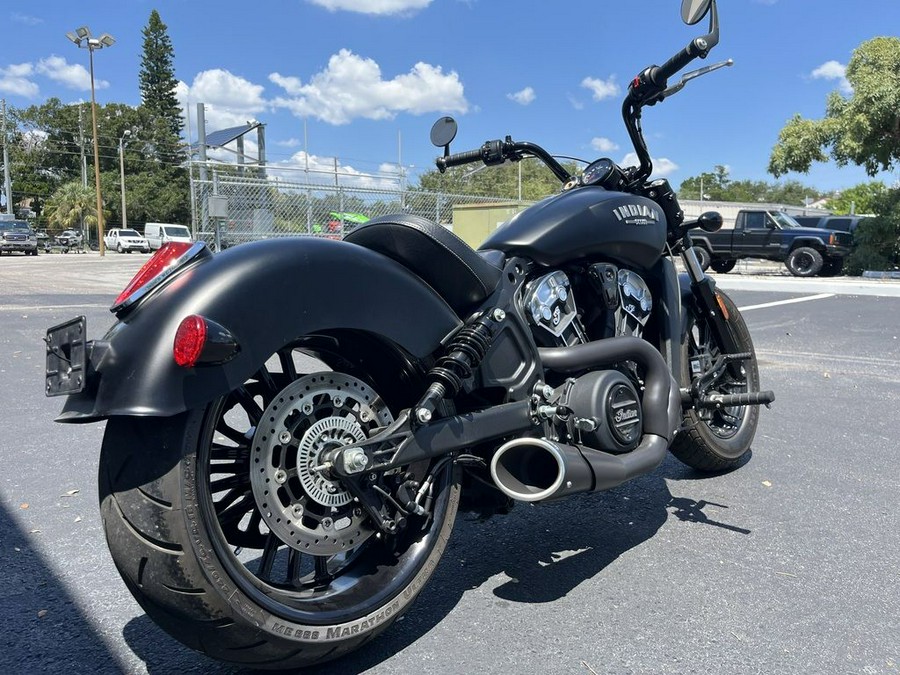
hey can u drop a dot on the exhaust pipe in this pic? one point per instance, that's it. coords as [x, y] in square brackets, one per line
[536, 469]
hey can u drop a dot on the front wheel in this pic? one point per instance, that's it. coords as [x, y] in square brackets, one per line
[229, 530]
[804, 261]
[704, 257]
[717, 439]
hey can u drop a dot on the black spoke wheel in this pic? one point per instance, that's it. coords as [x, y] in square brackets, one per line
[196, 510]
[717, 439]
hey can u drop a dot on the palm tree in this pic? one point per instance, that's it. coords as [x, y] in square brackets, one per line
[73, 207]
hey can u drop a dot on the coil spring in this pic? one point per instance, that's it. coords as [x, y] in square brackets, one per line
[464, 355]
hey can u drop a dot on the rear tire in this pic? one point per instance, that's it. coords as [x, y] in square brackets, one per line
[182, 523]
[723, 266]
[717, 440]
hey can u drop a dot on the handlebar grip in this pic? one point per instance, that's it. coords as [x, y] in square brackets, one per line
[673, 65]
[459, 158]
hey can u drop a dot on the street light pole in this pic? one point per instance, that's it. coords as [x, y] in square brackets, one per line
[122, 144]
[82, 38]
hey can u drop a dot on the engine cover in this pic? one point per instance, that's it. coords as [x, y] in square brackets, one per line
[607, 401]
[550, 306]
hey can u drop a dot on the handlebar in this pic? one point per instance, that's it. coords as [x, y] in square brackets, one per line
[497, 152]
[676, 63]
[458, 159]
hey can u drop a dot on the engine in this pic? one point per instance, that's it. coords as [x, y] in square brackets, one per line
[621, 297]
[605, 405]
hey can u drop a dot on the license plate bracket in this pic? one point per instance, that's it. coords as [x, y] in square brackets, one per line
[66, 357]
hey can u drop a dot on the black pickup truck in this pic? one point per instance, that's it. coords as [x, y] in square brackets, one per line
[774, 235]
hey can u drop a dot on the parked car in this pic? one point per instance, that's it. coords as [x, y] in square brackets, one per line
[43, 239]
[17, 235]
[126, 240]
[774, 235]
[840, 223]
[158, 234]
[69, 239]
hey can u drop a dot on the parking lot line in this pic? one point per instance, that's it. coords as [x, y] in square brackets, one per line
[820, 296]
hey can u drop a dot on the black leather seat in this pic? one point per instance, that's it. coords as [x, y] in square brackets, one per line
[444, 261]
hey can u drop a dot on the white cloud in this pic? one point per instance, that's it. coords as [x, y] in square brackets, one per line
[601, 89]
[72, 75]
[523, 97]
[290, 143]
[578, 105]
[382, 7]
[229, 99]
[352, 87]
[14, 80]
[833, 70]
[26, 19]
[662, 167]
[601, 144]
[322, 170]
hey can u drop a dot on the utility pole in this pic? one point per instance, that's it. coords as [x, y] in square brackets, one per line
[6, 181]
[81, 147]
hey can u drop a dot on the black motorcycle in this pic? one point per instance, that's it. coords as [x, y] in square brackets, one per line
[286, 447]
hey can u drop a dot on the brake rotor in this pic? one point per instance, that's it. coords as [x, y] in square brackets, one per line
[296, 496]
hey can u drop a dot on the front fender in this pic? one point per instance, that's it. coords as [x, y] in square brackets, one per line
[266, 294]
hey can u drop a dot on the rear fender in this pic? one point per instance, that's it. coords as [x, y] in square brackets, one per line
[267, 294]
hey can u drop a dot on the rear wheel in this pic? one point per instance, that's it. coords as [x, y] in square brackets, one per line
[723, 266]
[717, 439]
[233, 536]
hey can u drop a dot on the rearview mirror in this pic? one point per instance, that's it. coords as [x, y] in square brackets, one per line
[443, 132]
[694, 10]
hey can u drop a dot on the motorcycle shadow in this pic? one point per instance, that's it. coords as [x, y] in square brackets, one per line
[536, 554]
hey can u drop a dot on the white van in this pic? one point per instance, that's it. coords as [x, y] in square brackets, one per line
[162, 233]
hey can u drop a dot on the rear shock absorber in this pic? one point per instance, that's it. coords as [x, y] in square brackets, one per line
[463, 356]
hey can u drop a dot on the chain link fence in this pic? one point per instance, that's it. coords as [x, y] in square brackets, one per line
[231, 207]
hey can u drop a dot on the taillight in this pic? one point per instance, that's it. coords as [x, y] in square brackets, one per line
[190, 338]
[199, 340]
[164, 263]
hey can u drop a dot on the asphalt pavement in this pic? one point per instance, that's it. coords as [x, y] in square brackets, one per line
[787, 565]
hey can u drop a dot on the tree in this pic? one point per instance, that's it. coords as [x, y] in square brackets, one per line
[876, 241]
[495, 181]
[718, 186]
[863, 129]
[157, 84]
[71, 206]
[860, 198]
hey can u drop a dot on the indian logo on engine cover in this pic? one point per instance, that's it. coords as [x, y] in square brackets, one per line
[636, 214]
[624, 414]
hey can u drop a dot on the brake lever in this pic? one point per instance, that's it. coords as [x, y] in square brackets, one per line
[687, 77]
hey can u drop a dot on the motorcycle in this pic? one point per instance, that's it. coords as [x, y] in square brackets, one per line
[287, 448]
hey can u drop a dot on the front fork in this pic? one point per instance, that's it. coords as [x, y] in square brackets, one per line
[709, 304]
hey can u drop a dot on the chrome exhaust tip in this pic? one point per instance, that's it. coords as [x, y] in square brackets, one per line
[529, 469]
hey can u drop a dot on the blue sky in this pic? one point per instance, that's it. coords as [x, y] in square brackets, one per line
[370, 76]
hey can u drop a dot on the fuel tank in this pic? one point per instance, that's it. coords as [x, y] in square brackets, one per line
[582, 223]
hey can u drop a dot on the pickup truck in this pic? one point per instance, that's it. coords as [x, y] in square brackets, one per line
[774, 235]
[126, 241]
